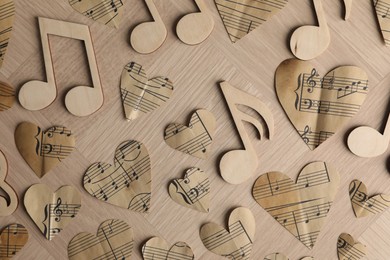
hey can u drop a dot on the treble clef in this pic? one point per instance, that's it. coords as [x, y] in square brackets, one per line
[304, 135]
[58, 211]
[311, 81]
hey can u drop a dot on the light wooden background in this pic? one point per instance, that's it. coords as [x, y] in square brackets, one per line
[249, 65]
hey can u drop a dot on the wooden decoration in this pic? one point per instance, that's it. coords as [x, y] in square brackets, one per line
[141, 95]
[235, 243]
[302, 206]
[12, 238]
[193, 191]
[157, 248]
[149, 36]
[280, 256]
[348, 8]
[7, 95]
[348, 249]
[7, 15]
[50, 211]
[7, 206]
[80, 100]
[319, 106]
[382, 8]
[237, 166]
[127, 183]
[195, 139]
[43, 150]
[308, 42]
[114, 240]
[240, 17]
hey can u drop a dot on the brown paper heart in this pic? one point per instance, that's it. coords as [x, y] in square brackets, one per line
[12, 238]
[7, 96]
[240, 17]
[114, 240]
[301, 207]
[141, 95]
[10, 202]
[279, 256]
[348, 249]
[319, 106]
[50, 211]
[43, 150]
[127, 183]
[363, 205]
[195, 139]
[6, 23]
[235, 243]
[193, 191]
[382, 12]
[157, 248]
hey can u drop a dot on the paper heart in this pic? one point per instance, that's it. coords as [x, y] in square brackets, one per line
[195, 139]
[240, 17]
[7, 96]
[382, 13]
[235, 243]
[318, 107]
[9, 203]
[279, 256]
[193, 191]
[348, 249]
[43, 150]
[363, 205]
[301, 207]
[157, 248]
[50, 211]
[12, 238]
[127, 183]
[141, 95]
[114, 240]
[7, 20]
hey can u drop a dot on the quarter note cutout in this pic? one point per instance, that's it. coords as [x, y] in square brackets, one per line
[157, 248]
[12, 238]
[7, 96]
[308, 42]
[382, 8]
[7, 15]
[147, 37]
[80, 100]
[238, 165]
[348, 8]
[7, 206]
[349, 249]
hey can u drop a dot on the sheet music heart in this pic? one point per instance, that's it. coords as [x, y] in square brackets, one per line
[382, 8]
[10, 204]
[127, 183]
[280, 256]
[302, 206]
[196, 139]
[235, 243]
[50, 211]
[141, 95]
[12, 238]
[114, 240]
[348, 249]
[319, 106]
[7, 96]
[158, 248]
[7, 19]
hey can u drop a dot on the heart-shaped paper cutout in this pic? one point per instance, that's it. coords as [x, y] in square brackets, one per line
[43, 150]
[235, 243]
[141, 95]
[114, 240]
[12, 238]
[319, 106]
[348, 249]
[7, 96]
[50, 211]
[193, 191]
[301, 207]
[279, 256]
[195, 139]
[382, 12]
[157, 248]
[363, 205]
[108, 12]
[240, 17]
[127, 183]
[6, 23]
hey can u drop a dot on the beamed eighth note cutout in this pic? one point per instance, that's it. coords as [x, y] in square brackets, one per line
[238, 165]
[12, 238]
[319, 106]
[157, 248]
[7, 15]
[7, 205]
[280, 256]
[382, 8]
[80, 100]
[348, 249]
[7, 96]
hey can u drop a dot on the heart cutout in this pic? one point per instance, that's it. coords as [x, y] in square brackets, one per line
[193, 191]
[319, 106]
[141, 95]
[348, 249]
[127, 183]
[7, 96]
[7, 20]
[43, 150]
[12, 238]
[280, 256]
[114, 240]
[50, 211]
[235, 243]
[196, 139]
[301, 207]
[157, 248]
[382, 13]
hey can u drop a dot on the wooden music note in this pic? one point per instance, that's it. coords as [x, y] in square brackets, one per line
[238, 165]
[7, 207]
[80, 100]
[348, 8]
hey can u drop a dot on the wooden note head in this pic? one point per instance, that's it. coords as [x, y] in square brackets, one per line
[195, 28]
[36, 95]
[84, 100]
[237, 166]
[148, 37]
[367, 142]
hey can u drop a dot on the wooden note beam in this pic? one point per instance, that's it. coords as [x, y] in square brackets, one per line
[157, 248]
[7, 15]
[7, 205]
[7, 96]
[12, 238]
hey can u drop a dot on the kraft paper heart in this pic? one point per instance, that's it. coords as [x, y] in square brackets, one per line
[108, 12]
[157, 248]
[302, 206]
[9, 203]
[50, 211]
[383, 15]
[127, 183]
[12, 238]
[279, 256]
[235, 243]
[7, 96]
[348, 249]
[6, 22]
[114, 240]
[194, 139]
[141, 95]
[193, 191]
[43, 150]
[363, 205]
[319, 106]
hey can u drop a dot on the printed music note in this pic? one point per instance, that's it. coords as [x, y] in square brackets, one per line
[7, 205]
[13, 238]
[348, 249]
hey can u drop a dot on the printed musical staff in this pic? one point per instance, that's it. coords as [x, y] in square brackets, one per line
[382, 8]
[157, 248]
[7, 96]
[12, 239]
[7, 14]
[347, 249]
[314, 139]
[276, 256]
